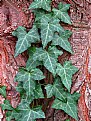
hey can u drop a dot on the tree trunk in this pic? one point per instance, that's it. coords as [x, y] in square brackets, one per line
[15, 13]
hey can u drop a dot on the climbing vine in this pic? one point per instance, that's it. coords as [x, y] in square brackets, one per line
[52, 38]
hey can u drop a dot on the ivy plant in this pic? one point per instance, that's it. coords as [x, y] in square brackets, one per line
[53, 38]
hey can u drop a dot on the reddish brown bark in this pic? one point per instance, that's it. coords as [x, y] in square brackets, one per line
[15, 13]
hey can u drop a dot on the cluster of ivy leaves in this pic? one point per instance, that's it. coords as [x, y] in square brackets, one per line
[52, 36]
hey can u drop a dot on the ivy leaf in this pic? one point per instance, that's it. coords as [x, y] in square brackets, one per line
[3, 91]
[38, 93]
[22, 75]
[34, 74]
[28, 77]
[49, 58]
[29, 114]
[56, 90]
[65, 72]
[75, 96]
[62, 13]
[31, 51]
[63, 42]
[17, 115]
[52, 50]
[48, 26]
[45, 4]
[49, 89]
[25, 39]
[39, 14]
[50, 63]
[13, 115]
[67, 119]
[69, 107]
[9, 116]
[32, 63]
[39, 54]
[66, 33]
[37, 74]
[6, 105]
[29, 86]
[19, 88]
[24, 104]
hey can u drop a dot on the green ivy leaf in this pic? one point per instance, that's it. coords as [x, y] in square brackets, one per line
[29, 86]
[69, 107]
[25, 39]
[39, 14]
[37, 74]
[65, 72]
[45, 4]
[66, 33]
[17, 115]
[52, 50]
[28, 77]
[67, 120]
[63, 42]
[49, 58]
[19, 88]
[62, 13]
[49, 89]
[6, 105]
[50, 63]
[25, 92]
[75, 96]
[9, 116]
[3, 91]
[32, 63]
[33, 74]
[38, 93]
[29, 114]
[13, 115]
[24, 104]
[31, 51]
[56, 89]
[39, 54]
[48, 26]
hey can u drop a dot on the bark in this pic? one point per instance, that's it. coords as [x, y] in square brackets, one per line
[15, 13]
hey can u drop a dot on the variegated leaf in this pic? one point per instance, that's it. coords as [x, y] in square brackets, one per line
[38, 93]
[62, 13]
[29, 86]
[49, 58]
[3, 91]
[48, 26]
[45, 4]
[6, 105]
[56, 90]
[34, 74]
[28, 114]
[25, 39]
[63, 42]
[65, 72]
[69, 107]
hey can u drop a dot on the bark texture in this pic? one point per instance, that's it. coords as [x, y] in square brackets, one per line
[14, 13]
